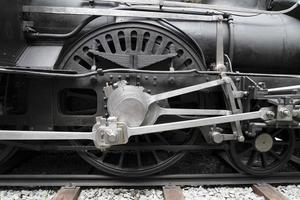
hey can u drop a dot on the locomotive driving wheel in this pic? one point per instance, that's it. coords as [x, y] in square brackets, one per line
[135, 38]
[265, 153]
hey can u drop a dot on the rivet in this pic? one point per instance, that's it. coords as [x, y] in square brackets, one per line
[171, 80]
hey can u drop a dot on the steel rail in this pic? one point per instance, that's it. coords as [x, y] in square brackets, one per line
[32, 180]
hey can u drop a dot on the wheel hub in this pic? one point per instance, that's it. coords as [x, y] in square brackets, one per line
[128, 103]
[264, 142]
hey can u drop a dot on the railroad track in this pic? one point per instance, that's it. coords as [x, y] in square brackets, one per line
[30, 180]
[172, 192]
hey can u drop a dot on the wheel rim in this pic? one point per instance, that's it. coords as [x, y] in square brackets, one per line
[135, 38]
[258, 156]
[134, 163]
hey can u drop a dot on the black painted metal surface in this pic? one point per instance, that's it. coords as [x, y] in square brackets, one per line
[256, 43]
[12, 40]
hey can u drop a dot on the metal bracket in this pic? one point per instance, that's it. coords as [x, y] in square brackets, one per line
[107, 133]
[220, 66]
[161, 4]
[235, 105]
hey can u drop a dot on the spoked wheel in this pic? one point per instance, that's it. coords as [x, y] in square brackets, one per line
[132, 38]
[135, 38]
[140, 157]
[264, 154]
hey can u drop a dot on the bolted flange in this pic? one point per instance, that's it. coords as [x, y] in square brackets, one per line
[108, 133]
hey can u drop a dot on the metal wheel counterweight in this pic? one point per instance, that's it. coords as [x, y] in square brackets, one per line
[264, 154]
[153, 48]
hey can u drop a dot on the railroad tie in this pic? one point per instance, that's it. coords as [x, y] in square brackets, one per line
[67, 193]
[269, 192]
[173, 193]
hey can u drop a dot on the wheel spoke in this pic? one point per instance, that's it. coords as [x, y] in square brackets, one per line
[148, 139]
[77, 67]
[139, 159]
[121, 159]
[252, 158]
[272, 152]
[251, 148]
[156, 157]
[274, 134]
[281, 143]
[153, 152]
[263, 160]
[161, 138]
[116, 42]
[103, 156]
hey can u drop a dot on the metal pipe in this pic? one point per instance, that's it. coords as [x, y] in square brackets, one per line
[116, 13]
[73, 33]
[202, 6]
[231, 38]
[284, 89]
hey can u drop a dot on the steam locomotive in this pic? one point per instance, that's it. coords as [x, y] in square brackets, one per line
[133, 86]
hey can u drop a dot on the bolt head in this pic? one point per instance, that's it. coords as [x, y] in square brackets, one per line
[246, 93]
[241, 138]
[284, 112]
[270, 115]
[112, 138]
[217, 137]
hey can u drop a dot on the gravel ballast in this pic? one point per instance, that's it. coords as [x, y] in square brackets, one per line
[121, 194]
[220, 193]
[290, 191]
[26, 194]
[190, 193]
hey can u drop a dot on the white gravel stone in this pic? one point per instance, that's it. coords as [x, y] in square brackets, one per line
[190, 193]
[290, 191]
[220, 193]
[121, 194]
[37, 194]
